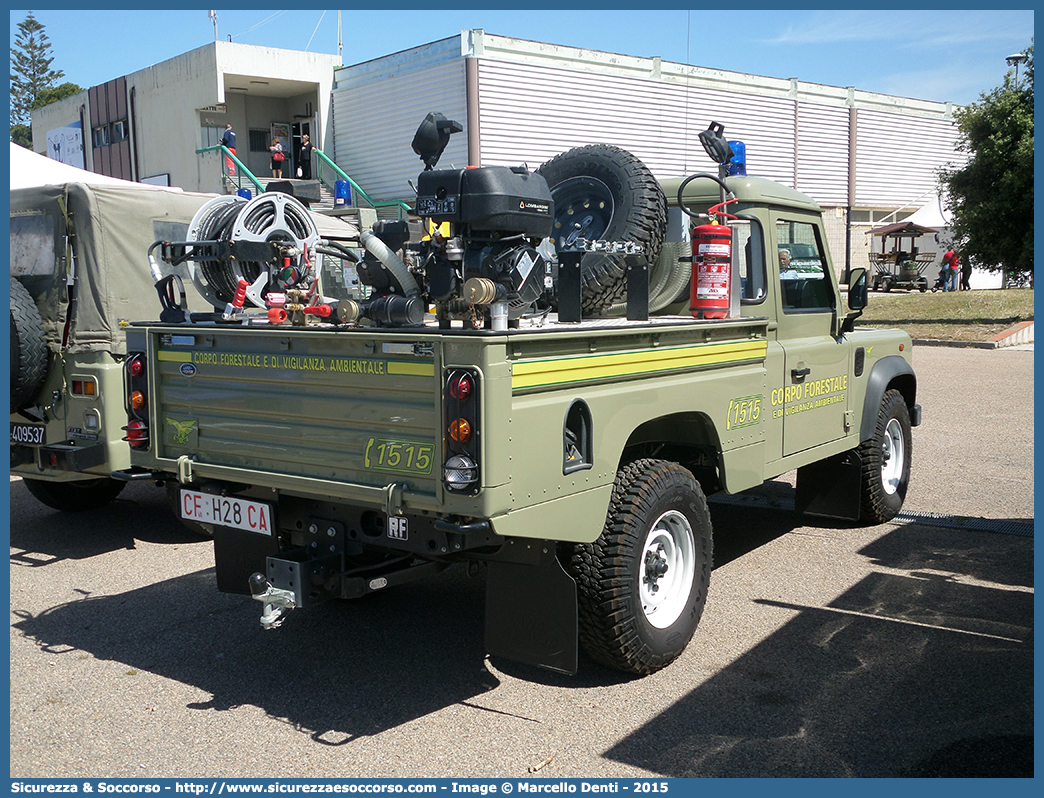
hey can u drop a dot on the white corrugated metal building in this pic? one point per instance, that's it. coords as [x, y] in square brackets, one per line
[865, 157]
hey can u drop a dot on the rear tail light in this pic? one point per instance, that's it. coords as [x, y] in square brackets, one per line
[460, 430]
[137, 434]
[136, 398]
[84, 386]
[461, 408]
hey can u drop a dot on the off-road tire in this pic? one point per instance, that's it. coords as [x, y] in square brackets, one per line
[28, 348]
[639, 214]
[74, 497]
[195, 527]
[617, 628]
[884, 482]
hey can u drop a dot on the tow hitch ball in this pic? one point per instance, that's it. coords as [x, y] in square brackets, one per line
[277, 602]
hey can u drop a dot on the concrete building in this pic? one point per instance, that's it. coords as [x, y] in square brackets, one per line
[867, 158]
[147, 126]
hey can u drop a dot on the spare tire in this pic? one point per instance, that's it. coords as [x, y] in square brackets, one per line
[602, 192]
[28, 348]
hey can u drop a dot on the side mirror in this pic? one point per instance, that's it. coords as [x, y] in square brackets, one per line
[857, 289]
[432, 137]
[857, 298]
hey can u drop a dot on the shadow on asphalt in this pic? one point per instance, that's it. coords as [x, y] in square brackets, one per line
[925, 673]
[41, 536]
[338, 671]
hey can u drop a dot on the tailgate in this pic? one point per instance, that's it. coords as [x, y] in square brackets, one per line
[356, 408]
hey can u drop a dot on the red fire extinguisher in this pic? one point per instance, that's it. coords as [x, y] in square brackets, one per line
[711, 271]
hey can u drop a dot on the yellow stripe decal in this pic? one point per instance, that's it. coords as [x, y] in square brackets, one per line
[411, 369]
[587, 368]
[174, 357]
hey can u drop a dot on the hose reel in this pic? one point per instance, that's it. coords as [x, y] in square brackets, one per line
[236, 239]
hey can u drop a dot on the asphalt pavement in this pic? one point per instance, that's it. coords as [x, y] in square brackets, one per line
[904, 649]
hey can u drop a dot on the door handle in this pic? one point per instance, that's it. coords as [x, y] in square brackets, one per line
[798, 375]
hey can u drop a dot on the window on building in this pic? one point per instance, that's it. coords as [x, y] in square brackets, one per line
[890, 217]
[258, 140]
[859, 216]
[119, 131]
[101, 136]
[802, 268]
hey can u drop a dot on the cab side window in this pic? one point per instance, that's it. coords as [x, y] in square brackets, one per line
[804, 284]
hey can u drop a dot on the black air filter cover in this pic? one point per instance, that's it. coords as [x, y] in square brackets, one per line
[490, 198]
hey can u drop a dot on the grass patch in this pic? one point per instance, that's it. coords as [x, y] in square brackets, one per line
[953, 316]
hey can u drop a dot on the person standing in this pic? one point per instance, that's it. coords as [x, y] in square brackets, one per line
[229, 141]
[951, 260]
[966, 270]
[305, 158]
[277, 158]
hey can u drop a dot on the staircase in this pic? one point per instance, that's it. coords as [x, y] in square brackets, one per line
[326, 197]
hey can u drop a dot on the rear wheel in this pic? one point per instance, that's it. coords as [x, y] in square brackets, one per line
[642, 585]
[602, 192]
[71, 497]
[886, 461]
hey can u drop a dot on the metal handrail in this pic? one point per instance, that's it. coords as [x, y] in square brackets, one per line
[240, 166]
[322, 158]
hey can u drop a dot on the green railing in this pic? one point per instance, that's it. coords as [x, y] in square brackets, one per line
[241, 170]
[322, 159]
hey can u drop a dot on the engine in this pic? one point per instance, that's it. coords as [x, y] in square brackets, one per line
[486, 241]
[482, 253]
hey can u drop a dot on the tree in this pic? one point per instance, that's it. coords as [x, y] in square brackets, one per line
[991, 197]
[31, 72]
[53, 95]
[22, 135]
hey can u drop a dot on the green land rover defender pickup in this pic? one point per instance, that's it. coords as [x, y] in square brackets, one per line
[516, 382]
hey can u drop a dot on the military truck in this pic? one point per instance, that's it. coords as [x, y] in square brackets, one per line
[77, 268]
[342, 447]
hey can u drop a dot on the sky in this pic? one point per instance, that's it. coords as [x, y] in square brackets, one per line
[946, 56]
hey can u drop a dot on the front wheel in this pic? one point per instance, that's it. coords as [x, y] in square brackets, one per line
[642, 585]
[71, 497]
[886, 461]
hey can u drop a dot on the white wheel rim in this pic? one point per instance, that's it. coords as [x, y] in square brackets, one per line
[893, 456]
[666, 569]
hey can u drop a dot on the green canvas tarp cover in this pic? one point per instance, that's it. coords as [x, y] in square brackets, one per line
[81, 251]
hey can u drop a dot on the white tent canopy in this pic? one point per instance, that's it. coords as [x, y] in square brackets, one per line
[28, 169]
[930, 214]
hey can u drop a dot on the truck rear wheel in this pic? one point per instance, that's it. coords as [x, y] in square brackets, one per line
[886, 461]
[642, 585]
[602, 192]
[72, 497]
[28, 348]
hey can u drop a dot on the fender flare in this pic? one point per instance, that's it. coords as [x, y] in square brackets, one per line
[888, 372]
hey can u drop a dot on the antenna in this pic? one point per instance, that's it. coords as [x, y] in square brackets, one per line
[340, 45]
[213, 18]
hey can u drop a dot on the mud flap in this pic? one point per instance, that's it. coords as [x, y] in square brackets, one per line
[830, 487]
[237, 555]
[531, 613]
